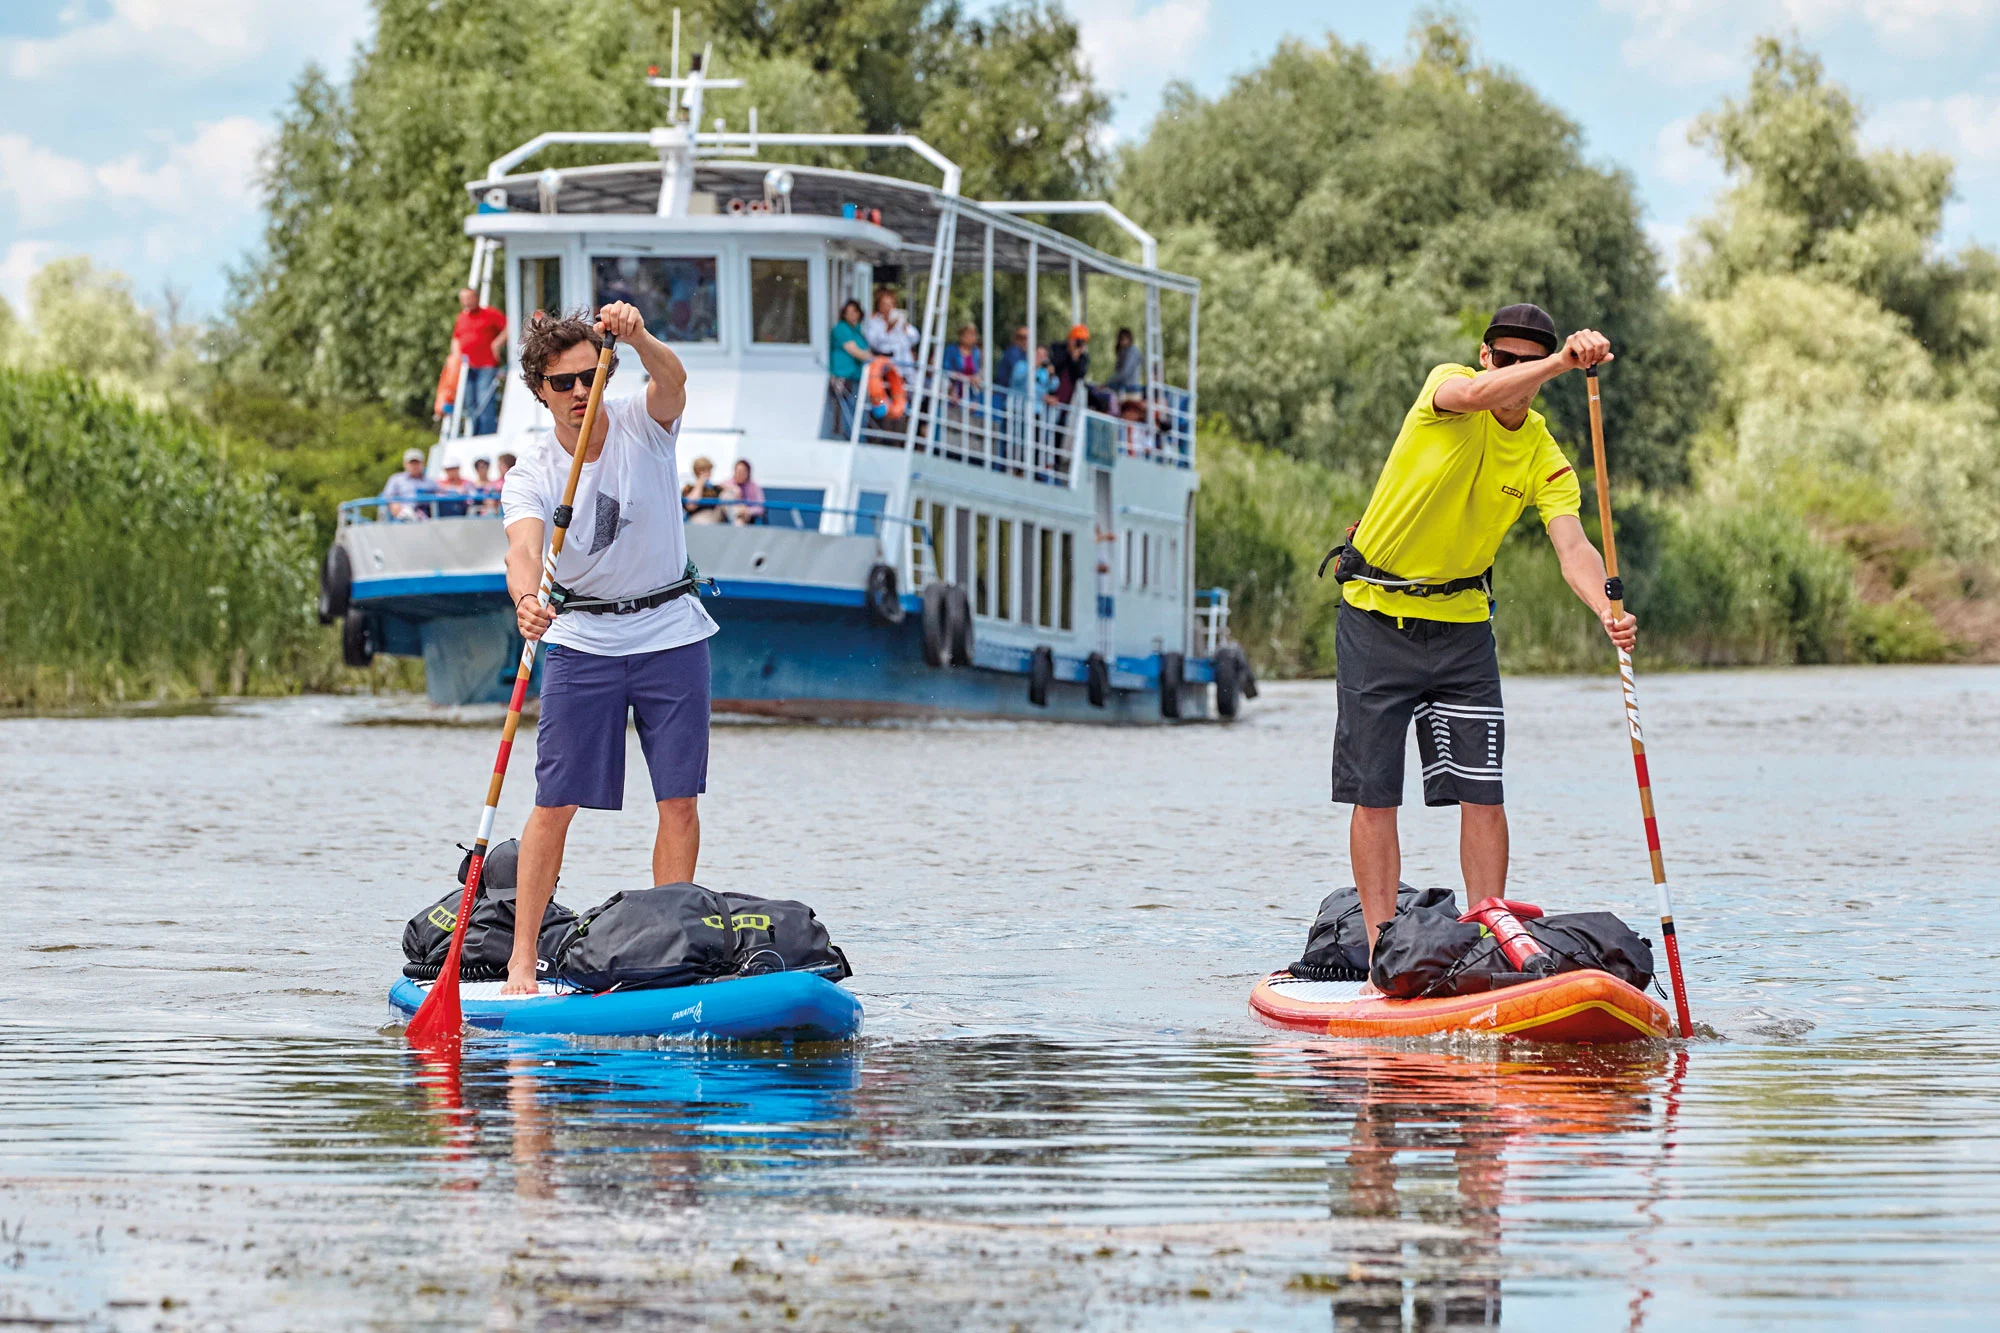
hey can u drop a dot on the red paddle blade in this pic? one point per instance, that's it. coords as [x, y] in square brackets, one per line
[439, 1019]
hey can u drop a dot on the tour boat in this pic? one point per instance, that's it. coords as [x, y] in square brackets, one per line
[945, 548]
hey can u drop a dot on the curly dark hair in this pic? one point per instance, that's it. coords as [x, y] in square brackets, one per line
[549, 336]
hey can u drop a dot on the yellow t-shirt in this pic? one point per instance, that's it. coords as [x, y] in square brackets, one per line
[1453, 485]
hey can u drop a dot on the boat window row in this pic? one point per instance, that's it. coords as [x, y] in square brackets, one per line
[1013, 569]
[680, 296]
[1151, 562]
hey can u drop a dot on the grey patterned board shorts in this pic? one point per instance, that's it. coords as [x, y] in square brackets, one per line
[1444, 676]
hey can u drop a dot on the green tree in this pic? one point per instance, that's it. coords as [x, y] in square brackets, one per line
[351, 297]
[1355, 224]
[87, 322]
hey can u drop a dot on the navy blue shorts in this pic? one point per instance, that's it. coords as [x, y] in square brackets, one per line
[580, 741]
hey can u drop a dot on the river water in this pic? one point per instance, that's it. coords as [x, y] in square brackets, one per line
[1061, 1115]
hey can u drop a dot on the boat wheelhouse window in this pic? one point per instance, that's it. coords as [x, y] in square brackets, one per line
[868, 508]
[794, 506]
[675, 296]
[780, 301]
[541, 286]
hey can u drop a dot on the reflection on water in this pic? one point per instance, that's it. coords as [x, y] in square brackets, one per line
[1063, 1116]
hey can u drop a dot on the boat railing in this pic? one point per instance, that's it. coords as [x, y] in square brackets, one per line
[427, 503]
[890, 531]
[1211, 612]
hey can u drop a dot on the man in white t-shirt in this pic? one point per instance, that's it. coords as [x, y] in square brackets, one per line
[630, 634]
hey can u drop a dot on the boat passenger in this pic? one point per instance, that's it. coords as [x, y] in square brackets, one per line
[1016, 353]
[405, 489]
[1069, 361]
[624, 542]
[452, 488]
[962, 357]
[849, 353]
[1128, 375]
[704, 498]
[480, 336]
[484, 486]
[507, 462]
[752, 495]
[890, 334]
[1415, 632]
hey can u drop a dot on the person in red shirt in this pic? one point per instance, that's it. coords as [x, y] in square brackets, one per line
[480, 337]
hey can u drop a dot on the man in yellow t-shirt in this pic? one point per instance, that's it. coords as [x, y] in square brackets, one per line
[1415, 635]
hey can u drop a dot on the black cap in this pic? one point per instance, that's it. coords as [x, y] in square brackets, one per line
[1523, 321]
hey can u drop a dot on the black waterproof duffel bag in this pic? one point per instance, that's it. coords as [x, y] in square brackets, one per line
[489, 935]
[1337, 943]
[1425, 952]
[679, 934]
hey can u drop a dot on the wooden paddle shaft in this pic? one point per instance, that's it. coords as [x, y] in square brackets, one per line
[439, 1015]
[1615, 590]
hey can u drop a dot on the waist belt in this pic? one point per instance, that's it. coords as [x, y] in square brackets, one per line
[561, 599]
[1350, 566]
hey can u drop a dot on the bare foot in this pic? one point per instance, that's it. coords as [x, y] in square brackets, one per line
[520, 981]
[1368, 991]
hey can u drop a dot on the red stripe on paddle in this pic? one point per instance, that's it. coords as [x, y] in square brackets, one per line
[1639, 766]
[1652, 834]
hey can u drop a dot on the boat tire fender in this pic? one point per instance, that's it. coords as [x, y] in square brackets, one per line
[336, 584]
[1173, 671]
[1097, 679]
[958, 621]
[884, 598]
[357, 637]
[1228, 684]
[1041, 674]
[936, 642]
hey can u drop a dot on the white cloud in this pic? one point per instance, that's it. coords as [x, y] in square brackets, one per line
[1134, 51]
[1698, 41]
[1966, 126]
[212, 174]
[187, 36]
[17, 266]
[1679, 162]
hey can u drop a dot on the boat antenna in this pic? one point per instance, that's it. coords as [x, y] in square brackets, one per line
[674, 72]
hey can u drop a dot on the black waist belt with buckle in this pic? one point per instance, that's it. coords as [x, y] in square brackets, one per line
[1349, 565]
[561, 599]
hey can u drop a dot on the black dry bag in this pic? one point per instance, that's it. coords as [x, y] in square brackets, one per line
[1337, 943]
[673, 935]
[1417, 953]
[779, 935]
[489, 935]
[1595, 939]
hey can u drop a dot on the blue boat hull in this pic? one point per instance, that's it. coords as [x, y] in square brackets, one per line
[799, 653]
[796, 1005]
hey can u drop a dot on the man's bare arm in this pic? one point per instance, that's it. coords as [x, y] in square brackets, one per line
[1515, 386]
[1583, 570]
[524, 577]
[666, 377]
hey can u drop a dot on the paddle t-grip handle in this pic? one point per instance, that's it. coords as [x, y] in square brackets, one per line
[1503, 917]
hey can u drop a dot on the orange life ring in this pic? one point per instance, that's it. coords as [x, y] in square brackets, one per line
[886, 390]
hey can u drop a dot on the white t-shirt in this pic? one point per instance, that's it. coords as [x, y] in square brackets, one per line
[895, 340]
[625, 537]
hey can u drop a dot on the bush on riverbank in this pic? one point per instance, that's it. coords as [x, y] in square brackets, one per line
[136, 563]
[1713, 584]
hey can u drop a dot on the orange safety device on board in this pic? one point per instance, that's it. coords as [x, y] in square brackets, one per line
[1502, 918]
[888, 399]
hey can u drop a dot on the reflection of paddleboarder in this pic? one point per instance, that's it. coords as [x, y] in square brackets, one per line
[630, 639]
[1415, 638]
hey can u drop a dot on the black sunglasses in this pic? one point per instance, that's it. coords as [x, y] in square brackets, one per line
[565, 383]
[1502, 360]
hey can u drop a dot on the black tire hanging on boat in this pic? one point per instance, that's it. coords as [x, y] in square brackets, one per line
[1097, 679]
[1041, 674]
[884, 599]
[958, 621]
[336, 584]
[1246, 679]
[937, 643]
[1173, 671]
[357, 637]
[1228, 684]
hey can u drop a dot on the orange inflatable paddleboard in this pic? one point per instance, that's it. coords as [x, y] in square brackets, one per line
[1587, 1006]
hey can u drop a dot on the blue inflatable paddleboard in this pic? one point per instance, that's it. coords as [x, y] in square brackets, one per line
[774, 1005]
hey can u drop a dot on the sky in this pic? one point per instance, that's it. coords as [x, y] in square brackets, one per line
[130, 130]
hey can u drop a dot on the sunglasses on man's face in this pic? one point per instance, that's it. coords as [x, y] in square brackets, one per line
[1502, 360]
[567, 382]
